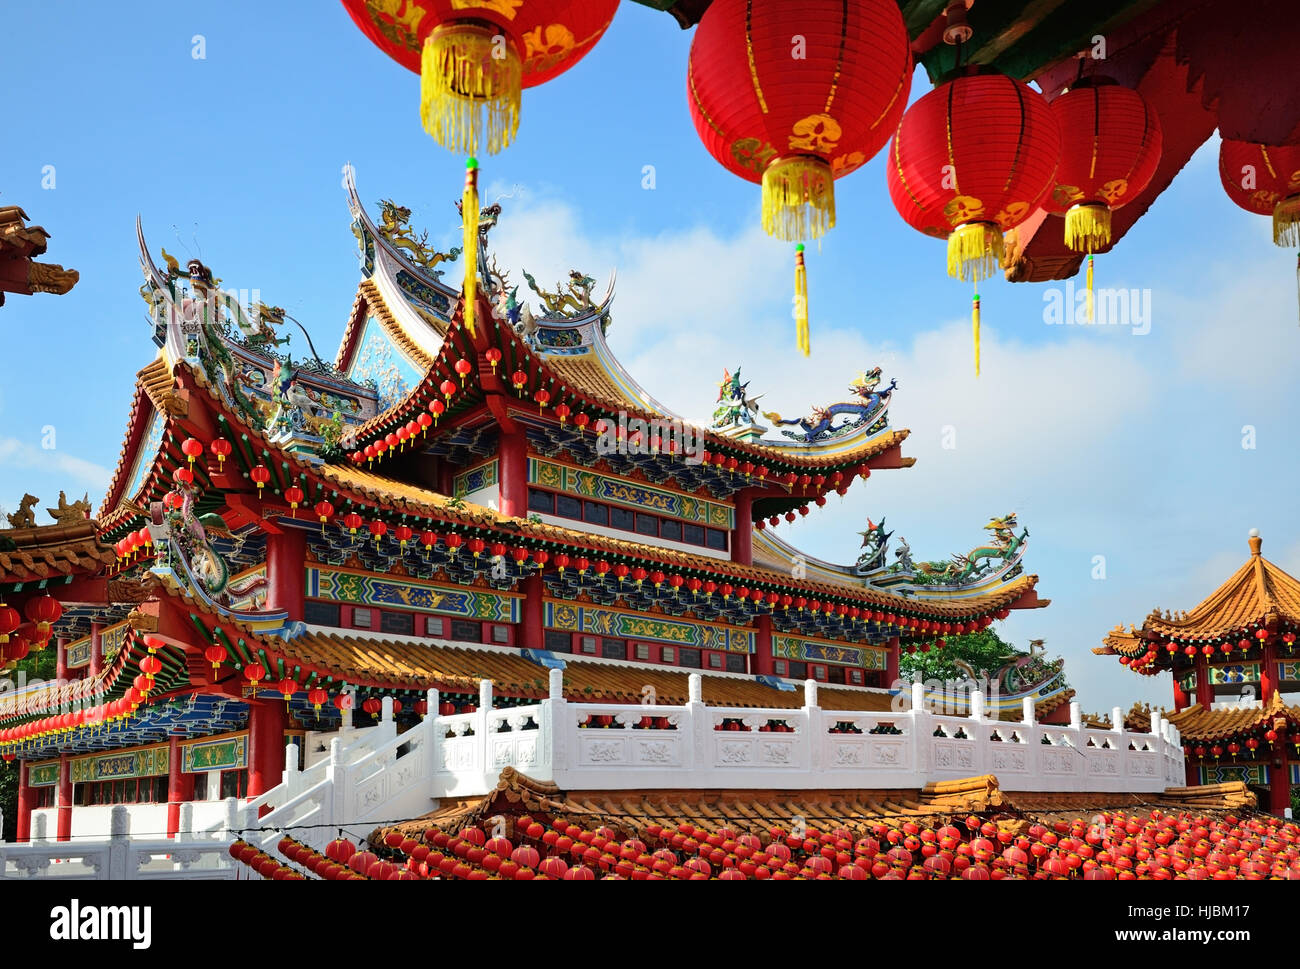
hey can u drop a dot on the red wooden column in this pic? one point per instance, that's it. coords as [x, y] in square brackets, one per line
[180, 786]
[1181, 700]
[532, 630]
[512, 467]
[25, 803]
[61, 659]
[762, 659]
[267, 722]
[1193, 772]
[96, 648]
[285, 554]
[1279, 782]
[65, 799]
[1204, 689]
[1268, 671]
[891, 663]
[742, 536]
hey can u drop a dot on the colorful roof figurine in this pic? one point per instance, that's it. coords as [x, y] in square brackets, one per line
[20, 244]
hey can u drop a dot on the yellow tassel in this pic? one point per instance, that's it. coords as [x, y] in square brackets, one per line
[1286, 222]
[974, 251]
[469, 216]
[975, 326]
[470, 84]
[1090, 297]
[801, 302]
[798, 198]
[1087, 227]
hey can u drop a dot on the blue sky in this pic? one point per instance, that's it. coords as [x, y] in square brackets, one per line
[1105, 443]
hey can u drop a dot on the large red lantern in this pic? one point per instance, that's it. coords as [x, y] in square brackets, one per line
[474, 57]
[1264, 180]
[795, 95]
[972, 159]
[45, 611]
[1110, 147]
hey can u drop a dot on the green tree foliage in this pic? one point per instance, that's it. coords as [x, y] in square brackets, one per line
[36, 666]
[983, 651]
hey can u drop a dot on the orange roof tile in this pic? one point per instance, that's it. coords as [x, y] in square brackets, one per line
[49, 551]
[1196, 723]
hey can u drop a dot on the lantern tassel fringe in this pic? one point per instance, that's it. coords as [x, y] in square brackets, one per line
[469, 97]
[974, 251]
[801, 302]
[1286, 222]
[798, 199]
[1087, 227]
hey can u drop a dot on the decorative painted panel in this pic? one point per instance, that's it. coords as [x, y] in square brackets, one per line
[110, 767]
[149, 445]
[1289, 670]
[43, 775]
[475, 479]
[378, 359]
[633, 625]
[373, 590]
[113, 638]
[1234, 673]
[822, 651]
[1256, 774]
[630, 494]
[78, 654]
[229, 753]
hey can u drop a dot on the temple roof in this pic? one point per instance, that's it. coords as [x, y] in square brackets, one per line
[52, 551]
[1257, 595]
[20, 244]
[1198, 723]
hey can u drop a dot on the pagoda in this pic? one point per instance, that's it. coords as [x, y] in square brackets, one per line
[293, 546]
[1232, 657]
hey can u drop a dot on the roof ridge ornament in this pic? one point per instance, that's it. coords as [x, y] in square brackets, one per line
[1256, 543]
[868, 407]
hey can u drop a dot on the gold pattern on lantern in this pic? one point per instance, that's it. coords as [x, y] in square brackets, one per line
[1066, 194]
[963, 208]
[817, 133]
[398, 21]
[545, 47]
[843, 164]
[753, 154]
[1014, 212]
[506, 8]
[1114, 190]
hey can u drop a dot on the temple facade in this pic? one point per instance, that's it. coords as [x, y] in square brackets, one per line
[294, 549]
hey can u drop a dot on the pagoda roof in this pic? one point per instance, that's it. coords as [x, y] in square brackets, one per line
[46, 552]
[1257, 595]
[1198, 723]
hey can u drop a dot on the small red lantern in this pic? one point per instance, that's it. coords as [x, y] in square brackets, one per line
[293, 495]
[259, 475]
[222, 449]
[543, 397]
[448, 388]
[519, 378]
[216, 655]
[352, 521]
[437, 408]
[317, 698]
[192, 448]
[45, 611]
[254, 673]
[493, 355]
[378, 530]
[463, 367]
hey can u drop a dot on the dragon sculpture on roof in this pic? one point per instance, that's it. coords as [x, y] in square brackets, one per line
[735, 406]
[1004, 547]
[867, 408]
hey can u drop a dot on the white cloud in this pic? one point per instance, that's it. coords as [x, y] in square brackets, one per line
[50, 470]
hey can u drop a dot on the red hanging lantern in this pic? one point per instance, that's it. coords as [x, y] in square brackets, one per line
[448, 388]
[424, 422]
[45, 611]
[562, 412]
[463, 367]
[797, 117]
[324, 511]
[216, 655]
[293, 495]
[192, 448]
[1265, 180]
[9, 621]
[519, 378]
[428, 539]
[971, 159]
[317, 698]
[254, 673]
[474, 57]
[378, 530]
[259, 475]
[437, 408]
[453, 542]
[287, 687]
[1110, 146]
[493, 355]
[222, 449]
[543, 397]
[352, 521]
[403, 535]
